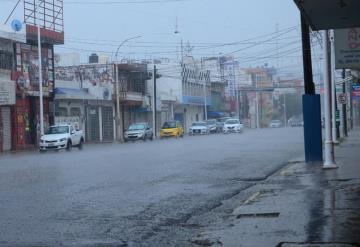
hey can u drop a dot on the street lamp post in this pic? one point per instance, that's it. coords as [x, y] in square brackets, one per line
[205, 101]
[118, 118]
[333, 90]
[40, 71]
[329, 159]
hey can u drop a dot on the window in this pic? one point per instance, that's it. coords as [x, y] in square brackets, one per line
[61, 112]
[6, 60]
[57, 130]
[75, 111]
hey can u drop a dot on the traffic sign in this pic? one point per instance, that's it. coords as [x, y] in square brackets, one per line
[337, 116]
[342, 98]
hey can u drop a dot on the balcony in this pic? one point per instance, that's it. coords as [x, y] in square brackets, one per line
[131, 98]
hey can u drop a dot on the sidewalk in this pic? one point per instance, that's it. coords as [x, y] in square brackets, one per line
[299, 205]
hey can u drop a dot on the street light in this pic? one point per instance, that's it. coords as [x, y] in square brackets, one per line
[40, 69]
[118, 120]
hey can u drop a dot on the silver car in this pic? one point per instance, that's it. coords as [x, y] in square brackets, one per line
[138, 131]
[211, 123]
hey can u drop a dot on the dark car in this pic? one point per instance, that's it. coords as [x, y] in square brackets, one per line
[138, 131]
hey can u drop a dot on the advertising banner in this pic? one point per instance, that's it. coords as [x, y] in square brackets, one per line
[347, 48]
[28, 64]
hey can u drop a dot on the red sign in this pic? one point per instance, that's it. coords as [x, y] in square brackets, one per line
[356, 94]
[47, 36]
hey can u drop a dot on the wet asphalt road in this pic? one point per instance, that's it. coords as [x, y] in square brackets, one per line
[132, 194]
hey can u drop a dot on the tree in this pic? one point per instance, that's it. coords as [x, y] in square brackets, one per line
[293, 105]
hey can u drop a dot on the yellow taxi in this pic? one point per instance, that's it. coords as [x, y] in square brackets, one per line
[172, 129]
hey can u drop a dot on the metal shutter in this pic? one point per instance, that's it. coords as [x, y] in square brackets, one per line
[92, 126]
[107, 123]
[6, 119]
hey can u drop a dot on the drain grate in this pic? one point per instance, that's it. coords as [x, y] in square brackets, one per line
[259, 215]
[317, 244]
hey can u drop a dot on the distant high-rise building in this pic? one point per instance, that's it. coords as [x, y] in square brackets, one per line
[94, 58]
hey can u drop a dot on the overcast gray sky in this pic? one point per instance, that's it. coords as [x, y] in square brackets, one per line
[209, 26]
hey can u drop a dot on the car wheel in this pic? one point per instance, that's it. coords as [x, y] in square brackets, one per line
[41, 151]
[81, 144]
[68, 146]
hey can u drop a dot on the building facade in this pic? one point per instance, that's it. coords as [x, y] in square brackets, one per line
[181, 90]
[83, 97]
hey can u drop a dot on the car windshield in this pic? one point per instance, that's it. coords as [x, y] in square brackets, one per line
[57, 130]
[169, 125]
[137, 127]
[211, 121]
[275, 121]
[232, 121]
[199, 124]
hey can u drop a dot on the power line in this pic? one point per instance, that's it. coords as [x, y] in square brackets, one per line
[121, 2]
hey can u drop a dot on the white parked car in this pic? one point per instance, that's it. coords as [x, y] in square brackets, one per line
[275, 124]
[61, 137]
[199, 128]
[232, 126]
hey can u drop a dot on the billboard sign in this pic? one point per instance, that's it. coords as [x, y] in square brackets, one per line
[28, 66]
[347, 48]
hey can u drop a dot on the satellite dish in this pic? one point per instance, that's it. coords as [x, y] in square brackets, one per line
[16, 25]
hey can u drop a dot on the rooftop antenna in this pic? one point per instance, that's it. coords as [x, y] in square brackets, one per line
[176, 26]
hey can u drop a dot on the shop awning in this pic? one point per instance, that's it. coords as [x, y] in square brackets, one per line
[330, 14]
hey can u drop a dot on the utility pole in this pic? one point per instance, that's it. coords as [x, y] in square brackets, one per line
[205, 100]
[351, 107]
[329, 146]
[257, 102]
[237, 93]
[154, 102]
[118, 119]
[40, 72]
[285, 122]
[313, 143]
[344, 116]
[333, 88]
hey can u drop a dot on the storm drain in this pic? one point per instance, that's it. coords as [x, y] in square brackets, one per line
[259, 215]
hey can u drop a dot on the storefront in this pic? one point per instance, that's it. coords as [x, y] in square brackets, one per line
[86, 112]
